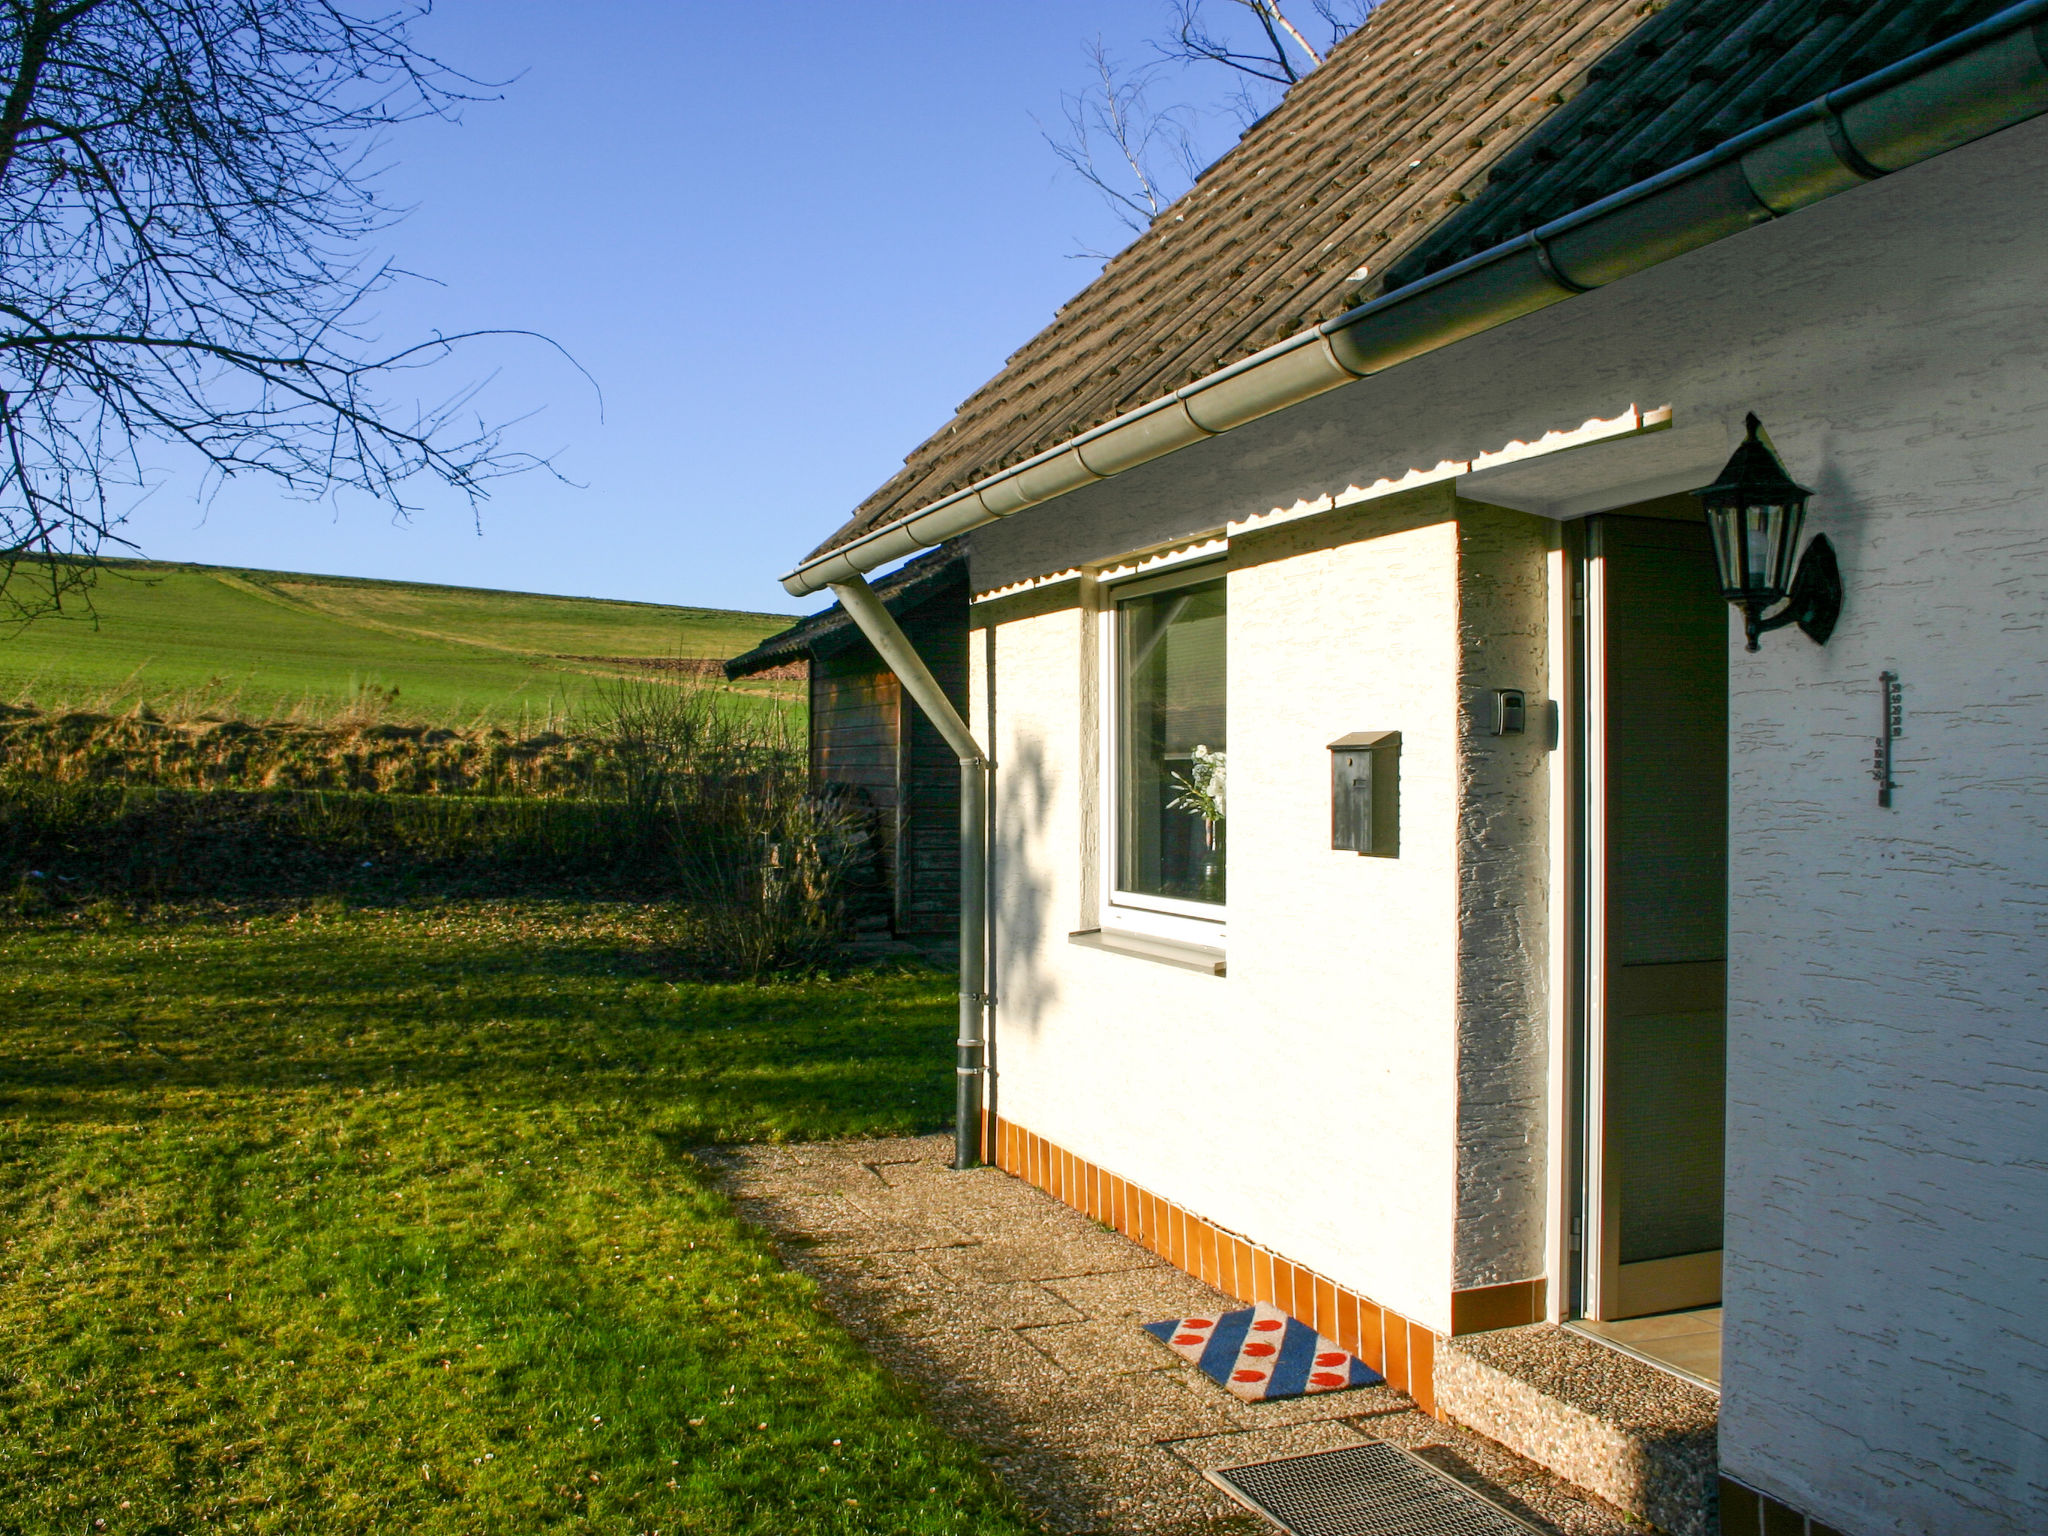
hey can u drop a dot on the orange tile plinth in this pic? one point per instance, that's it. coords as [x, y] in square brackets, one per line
[1401, 1350]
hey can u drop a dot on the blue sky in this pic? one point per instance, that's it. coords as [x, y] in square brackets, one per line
[787, 238]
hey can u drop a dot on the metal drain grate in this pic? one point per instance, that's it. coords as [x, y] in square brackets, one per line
[1375, 1489]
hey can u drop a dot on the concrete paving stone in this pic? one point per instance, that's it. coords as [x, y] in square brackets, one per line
[919, 1298]
[995, 1362]
[1142, 1407]
[996, 1389]
[896, 1296]
[1242, 1445]
[1010, 1261]
[885, 1212]
[1094, 1347]
[805, 1179]
[990, 1191]
[1153, 1490]
[991, 1420]
[887, 1149]
[1117, 1492]
[935, 1181]
[1352, 1403]
[1016, 1321]
[1006, 1220]
[1096, 1496]
[810, 1216]
[1231, 1413]
[1065, 1497]
[890, 1233]
[1027, 1304]
[933, 1173]
[1141, 1294]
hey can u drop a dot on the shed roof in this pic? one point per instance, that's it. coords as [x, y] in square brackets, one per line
[1357, 162]
[909, 587]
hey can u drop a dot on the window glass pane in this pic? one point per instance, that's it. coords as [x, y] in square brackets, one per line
[1172, 782]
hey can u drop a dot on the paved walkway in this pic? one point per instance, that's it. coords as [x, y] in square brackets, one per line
[1018, 1318]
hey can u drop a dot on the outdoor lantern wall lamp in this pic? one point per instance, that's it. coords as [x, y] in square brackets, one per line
[1755, 510]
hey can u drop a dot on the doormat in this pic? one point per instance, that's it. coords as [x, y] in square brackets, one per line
[1261, 1353]
[1373, 1489]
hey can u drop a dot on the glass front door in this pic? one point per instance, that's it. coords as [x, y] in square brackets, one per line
[1657, 640]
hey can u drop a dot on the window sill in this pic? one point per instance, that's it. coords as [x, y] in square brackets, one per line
[1189, 957]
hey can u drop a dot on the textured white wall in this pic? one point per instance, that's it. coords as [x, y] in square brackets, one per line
[1503, 900]
[1887, 1272]
[1309, 1098]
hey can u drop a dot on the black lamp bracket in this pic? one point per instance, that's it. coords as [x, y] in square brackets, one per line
[1814, 603]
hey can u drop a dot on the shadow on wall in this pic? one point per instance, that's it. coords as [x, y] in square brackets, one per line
[1021, 893]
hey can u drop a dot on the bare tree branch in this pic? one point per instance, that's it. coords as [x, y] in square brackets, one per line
[1265, 55]
[184, 186]
[1141, 157]
[1151, 154]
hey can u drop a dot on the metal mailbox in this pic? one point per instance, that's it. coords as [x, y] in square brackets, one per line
[1365, 793]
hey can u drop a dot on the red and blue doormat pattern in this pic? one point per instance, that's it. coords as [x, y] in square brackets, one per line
[1262, 1353]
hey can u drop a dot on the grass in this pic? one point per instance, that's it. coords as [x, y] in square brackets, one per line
[337, 1221]
[192, 639]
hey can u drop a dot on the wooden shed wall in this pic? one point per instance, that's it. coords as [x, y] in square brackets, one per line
[928, 816]
[866, 732]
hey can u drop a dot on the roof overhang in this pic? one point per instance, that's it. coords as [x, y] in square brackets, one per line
[1616, 472]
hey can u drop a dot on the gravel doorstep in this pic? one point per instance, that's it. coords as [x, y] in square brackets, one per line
[1017, 1319]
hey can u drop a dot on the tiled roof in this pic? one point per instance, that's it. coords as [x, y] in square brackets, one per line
[1356, 164]
[1691, 77]
[830, 629]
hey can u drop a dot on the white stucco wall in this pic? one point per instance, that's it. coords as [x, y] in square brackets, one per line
[1300, 1099]
[1887, 1272]
[1503, 929]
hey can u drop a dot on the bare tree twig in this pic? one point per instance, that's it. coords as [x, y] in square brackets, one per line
[1114, 120]
[1141, 157]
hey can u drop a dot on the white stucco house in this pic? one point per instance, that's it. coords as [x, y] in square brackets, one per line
[1407, 898]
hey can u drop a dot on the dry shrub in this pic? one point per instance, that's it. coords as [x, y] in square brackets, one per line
[763, 860]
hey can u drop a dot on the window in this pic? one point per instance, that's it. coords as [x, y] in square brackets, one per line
[1170, 748]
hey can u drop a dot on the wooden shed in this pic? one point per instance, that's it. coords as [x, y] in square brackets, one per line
[867, 735]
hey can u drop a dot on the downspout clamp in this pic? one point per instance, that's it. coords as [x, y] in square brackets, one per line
[879, 625]
[1985, 78]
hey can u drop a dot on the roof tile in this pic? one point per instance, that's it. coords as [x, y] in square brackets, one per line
[1356, 165]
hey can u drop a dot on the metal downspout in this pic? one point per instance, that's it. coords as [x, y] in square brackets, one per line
[886, 636]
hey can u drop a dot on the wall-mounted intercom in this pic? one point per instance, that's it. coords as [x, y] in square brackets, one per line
[1365, 793]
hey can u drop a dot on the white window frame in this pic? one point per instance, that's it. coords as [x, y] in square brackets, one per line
[1201, 923]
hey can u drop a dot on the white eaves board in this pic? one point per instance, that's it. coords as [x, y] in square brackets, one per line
[1599, 476]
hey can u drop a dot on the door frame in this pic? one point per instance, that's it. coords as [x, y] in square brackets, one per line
[1596, 1284]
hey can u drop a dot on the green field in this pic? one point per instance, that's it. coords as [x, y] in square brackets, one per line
[194, 639]
[319, 1221]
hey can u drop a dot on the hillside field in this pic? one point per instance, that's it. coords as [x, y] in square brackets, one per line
[256, 645]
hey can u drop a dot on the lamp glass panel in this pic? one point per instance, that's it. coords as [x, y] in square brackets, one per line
[1727, 557]
[1766, 533]
[1791, 516]
[1760, 545]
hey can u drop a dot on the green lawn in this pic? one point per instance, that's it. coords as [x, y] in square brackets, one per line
[387, 1221]
[255, 644]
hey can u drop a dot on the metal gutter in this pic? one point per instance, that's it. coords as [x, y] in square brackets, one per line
[867, 610]
[1988, 77]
